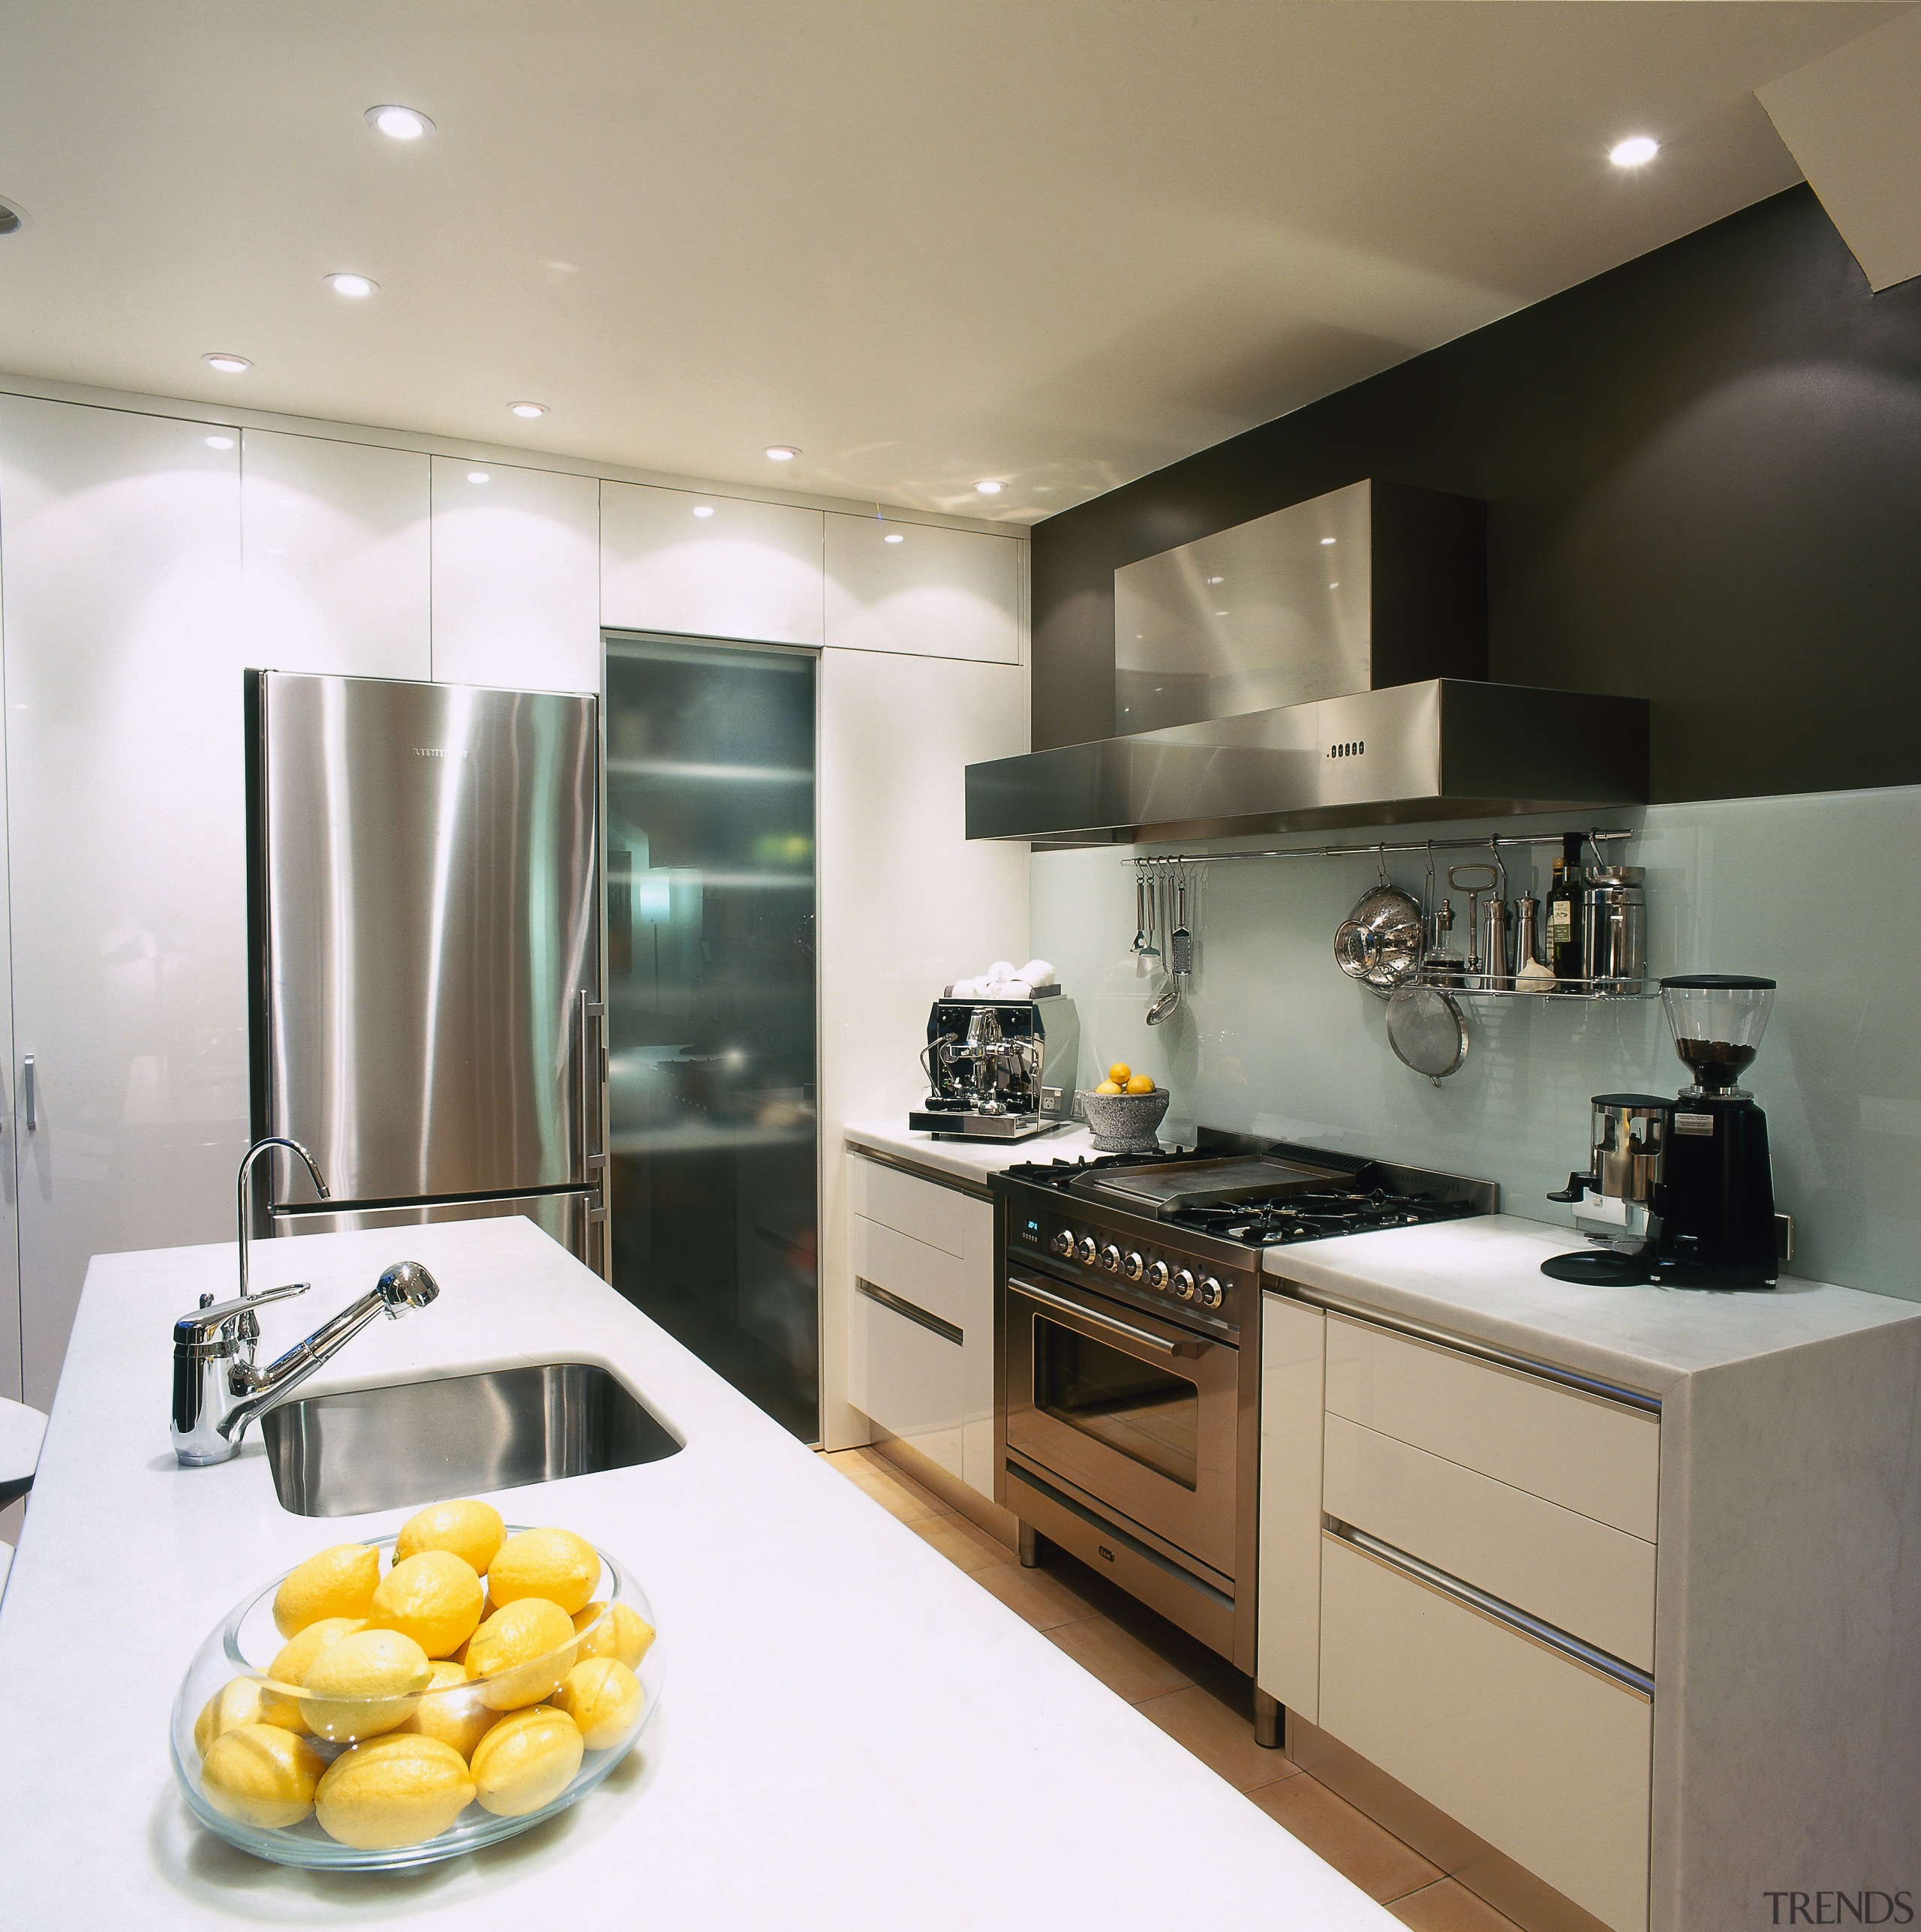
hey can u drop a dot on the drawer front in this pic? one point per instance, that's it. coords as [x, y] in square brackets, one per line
[910, 1380]
[1600, 1458]
[922, 1210]
[959, 1291]
[1584, 1576]
[1547, 1761]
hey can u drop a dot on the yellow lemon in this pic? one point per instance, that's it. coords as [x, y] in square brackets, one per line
[602, 1696]
[1120, 1073]
[244, 1701]
[469, 1530]
[553, 1564]
[1108, 1086]
[526, 1761]
[338, 1582]
[397, 1790]
[262, 1775]
[452, 1710]
[1141, 1083]
[363, 1685]
[434, 1598]
[522, 1650]
[297, 1653]
[621, 1633]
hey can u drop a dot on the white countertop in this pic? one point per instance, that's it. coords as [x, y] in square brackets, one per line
[970, 1160]
[853, 1733]
[1482, 1279]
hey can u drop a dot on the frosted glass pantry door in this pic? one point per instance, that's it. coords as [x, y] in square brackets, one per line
[119, 590]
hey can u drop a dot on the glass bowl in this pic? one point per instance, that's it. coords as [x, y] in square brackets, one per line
[245, 1645]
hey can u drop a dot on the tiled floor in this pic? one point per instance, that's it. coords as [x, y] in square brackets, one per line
[1186, 1690]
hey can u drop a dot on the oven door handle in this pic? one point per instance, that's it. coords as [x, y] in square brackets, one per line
[1048, 1298]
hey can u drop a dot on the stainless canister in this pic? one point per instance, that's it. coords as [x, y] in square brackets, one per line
[1614, 936]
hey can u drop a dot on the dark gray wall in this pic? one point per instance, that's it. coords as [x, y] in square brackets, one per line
[1703, 476]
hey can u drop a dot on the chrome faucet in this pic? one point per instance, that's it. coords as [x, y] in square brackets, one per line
[216, 1390]
[247, 1160]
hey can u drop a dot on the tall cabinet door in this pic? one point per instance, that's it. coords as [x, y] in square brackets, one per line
[119, 584]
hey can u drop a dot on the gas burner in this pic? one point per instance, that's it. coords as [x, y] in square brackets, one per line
[1060, 1173]
[1315, 1216]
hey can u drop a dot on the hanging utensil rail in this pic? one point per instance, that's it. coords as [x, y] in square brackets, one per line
[1373, 849]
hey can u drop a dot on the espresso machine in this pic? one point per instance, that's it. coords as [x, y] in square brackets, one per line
[1681, 1192]
[999, 1069]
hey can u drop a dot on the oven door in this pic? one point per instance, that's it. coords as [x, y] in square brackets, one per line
[1131, 1410]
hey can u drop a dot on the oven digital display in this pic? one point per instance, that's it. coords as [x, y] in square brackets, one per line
[1029, 1230]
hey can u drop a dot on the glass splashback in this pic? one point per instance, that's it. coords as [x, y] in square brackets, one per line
[710, 1006]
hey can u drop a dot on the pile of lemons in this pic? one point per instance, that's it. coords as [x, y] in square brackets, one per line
[443, 1689]
[1123, 1079]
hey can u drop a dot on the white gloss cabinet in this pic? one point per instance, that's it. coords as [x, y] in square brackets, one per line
[516, 577]
[119, 594]
[334, 556]
[921, 1325]
[921, 590]
[713, 566]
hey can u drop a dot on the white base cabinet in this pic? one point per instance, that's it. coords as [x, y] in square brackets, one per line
[921, 1325]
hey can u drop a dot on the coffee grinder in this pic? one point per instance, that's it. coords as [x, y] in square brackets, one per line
[1716, 1198]
[1615, 1202]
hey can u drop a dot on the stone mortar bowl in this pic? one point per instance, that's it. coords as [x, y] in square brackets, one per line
[1124, 1123]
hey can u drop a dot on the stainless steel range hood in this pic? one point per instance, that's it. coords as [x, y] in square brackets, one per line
[1449, 748]
[1357, 623]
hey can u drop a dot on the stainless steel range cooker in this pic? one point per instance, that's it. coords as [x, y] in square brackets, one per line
[1128, 1423]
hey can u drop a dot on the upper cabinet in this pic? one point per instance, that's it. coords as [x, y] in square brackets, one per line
[516, 580]
[710, 566]
[923, 591]
[335, 552]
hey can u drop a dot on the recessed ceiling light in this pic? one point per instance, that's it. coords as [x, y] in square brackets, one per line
[987, 487]
[1635, 151]
[781, 452]
[357, 287]
[13, 219]
[477, 476]
[1325, 541]
[1220, 614]
[399, 124]
[227, 365]
[220, 443]
[894, 536]
[1334, 587]
[529, 409]
[1217, 580]
[703, 510]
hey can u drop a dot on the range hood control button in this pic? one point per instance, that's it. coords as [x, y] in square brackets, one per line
[1157, 1275]
[1183, 1285]
[1209, 1293]
[1062, 1243]
[1086, 1252]
[1131, 1267]
[1110, 1258]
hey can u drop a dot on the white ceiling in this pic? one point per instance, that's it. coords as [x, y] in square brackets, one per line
[1062, 242]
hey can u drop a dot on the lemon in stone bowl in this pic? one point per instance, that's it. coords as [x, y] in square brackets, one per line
[394, 1701]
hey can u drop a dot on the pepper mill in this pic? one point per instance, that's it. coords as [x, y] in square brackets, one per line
[1527, 930]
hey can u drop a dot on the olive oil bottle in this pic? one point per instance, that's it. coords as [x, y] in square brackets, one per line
[1564, 909]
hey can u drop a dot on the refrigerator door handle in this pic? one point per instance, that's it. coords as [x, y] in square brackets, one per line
[593, 1113]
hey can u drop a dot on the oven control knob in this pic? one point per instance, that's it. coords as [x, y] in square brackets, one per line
[1183, 1285]
[1086, 1252]
[1110, 1258]
[1062, 1243]
[1131, 1265]
[1208, 1294]
[1157, 1275]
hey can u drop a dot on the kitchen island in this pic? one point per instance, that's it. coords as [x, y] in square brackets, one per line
[852, 1733]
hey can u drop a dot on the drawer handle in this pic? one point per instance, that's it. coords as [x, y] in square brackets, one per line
[900, 1306]
[1049, 1299]
[1442, 1584]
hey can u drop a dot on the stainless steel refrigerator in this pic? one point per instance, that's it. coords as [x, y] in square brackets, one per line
[427, 1014]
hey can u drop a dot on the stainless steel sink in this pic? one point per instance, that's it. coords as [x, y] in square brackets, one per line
[420, 1442]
